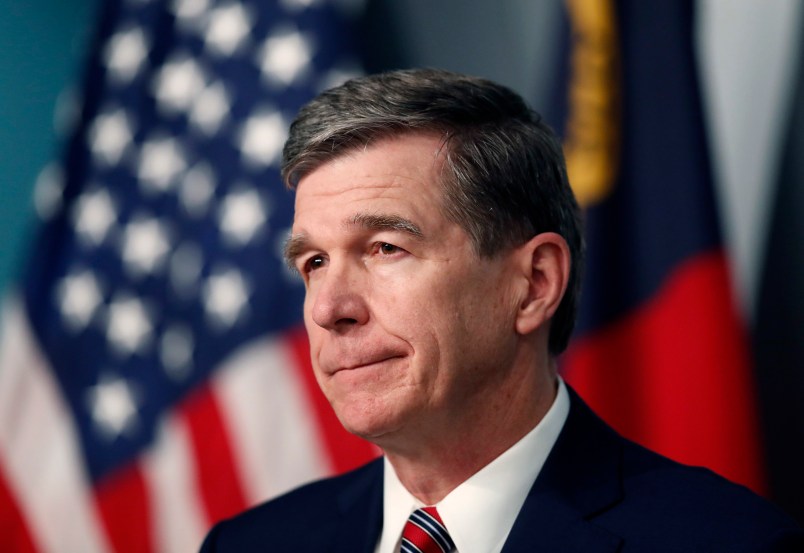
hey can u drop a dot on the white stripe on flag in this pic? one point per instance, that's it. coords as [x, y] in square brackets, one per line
[179, 521]
[39, 445]
[275, 437]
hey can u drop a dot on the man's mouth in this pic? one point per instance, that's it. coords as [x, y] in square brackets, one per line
[366, 363]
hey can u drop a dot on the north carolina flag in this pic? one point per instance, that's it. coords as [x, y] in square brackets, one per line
[154, 372]
[660, 351]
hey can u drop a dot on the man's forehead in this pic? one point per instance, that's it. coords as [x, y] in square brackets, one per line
[394, 184]
[374, 222]
[389, 147]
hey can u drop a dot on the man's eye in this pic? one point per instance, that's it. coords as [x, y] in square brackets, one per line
[315, 262]
[385, 249]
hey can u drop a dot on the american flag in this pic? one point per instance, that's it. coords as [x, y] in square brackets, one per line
[154, 375]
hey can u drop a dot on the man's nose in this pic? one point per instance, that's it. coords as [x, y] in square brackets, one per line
[340, 299]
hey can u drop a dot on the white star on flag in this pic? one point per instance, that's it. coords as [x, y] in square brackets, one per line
[178, 83]
[225, 297]
[285, 57]
[114, 406]
[93, 214]
[110, 136]
[196, 189]
[125, 53]
[176, 351]
[189, 12]
[144, 245]
[262, 138]
[241, 215]
[161, 162]
[185, 269]
[210, 109]
[78, 296]
[227, 28]
[129, 326]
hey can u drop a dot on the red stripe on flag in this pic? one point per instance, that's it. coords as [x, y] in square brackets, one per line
[14, 532]
[122, 500]
[674, 375]
[220, 487]
[346, 450]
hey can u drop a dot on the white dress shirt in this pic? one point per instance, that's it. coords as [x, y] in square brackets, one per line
[481, 511]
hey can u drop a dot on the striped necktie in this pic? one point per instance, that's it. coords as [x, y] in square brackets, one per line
[425, 533]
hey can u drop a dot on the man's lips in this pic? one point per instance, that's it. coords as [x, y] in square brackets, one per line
[363, 363]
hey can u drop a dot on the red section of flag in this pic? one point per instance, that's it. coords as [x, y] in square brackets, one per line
[673, 375]
[15, 533]
[122, 500]
[218, 482]
[346, 450]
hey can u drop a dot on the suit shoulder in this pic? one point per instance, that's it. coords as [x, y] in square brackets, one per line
[651, 499]
[307, 510]
[697, 502]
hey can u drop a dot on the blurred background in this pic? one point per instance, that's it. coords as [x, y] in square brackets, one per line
[140, 205]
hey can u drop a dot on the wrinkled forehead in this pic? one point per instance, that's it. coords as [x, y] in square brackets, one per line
[398, 176]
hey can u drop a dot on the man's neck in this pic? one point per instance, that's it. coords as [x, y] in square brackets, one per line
[435, 467]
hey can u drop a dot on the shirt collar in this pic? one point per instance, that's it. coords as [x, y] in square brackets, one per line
[500, 488]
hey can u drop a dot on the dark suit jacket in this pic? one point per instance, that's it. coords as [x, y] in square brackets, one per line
[596, 493]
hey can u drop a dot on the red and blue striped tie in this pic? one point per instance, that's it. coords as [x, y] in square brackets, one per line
[425, 533]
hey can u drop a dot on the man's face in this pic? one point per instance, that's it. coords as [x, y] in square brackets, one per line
[407, 325]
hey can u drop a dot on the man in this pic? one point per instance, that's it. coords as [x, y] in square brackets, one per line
[440, 246]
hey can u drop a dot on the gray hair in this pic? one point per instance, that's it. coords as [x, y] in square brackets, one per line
[504, 176]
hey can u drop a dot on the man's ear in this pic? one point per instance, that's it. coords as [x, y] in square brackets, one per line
[545, 262]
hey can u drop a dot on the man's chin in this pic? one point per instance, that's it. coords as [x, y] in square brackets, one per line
[370, 423]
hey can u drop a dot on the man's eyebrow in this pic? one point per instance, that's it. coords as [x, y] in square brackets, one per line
[381, 222]
[295, 245]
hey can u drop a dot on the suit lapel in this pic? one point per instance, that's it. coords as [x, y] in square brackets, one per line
[550, 525]
[361, 513]
[580, 479]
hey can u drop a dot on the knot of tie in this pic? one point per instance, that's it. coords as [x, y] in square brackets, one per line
[425, 533]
